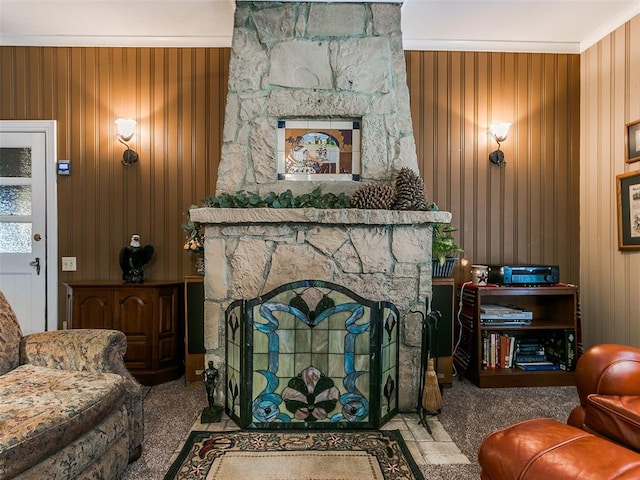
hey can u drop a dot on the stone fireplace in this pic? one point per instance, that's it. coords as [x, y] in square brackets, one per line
[318, 61]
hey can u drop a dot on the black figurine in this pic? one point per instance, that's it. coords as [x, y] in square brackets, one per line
[132, 258]
[212, 413]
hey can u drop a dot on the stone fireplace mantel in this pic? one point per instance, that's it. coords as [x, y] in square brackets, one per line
[378, 254]
[224, 216]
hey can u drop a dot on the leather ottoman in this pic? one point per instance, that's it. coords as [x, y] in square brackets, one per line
[545, 449]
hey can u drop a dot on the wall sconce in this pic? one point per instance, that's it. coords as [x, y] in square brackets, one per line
[126, 127]
[499, 133]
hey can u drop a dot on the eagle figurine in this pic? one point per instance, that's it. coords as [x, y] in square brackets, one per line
[132, 258]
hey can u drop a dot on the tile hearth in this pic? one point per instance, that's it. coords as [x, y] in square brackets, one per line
[425, 449]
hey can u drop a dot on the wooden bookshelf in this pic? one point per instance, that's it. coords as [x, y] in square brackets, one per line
[554, 309]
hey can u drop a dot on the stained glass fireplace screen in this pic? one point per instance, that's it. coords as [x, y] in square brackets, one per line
[311, 354]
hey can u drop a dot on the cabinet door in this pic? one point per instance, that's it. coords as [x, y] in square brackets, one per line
[92, 308]
[169, 353]
[134, 316]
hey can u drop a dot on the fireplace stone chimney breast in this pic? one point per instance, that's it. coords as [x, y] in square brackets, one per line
[315, 61]
[318, 61]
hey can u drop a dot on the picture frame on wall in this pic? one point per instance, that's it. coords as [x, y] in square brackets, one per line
[633, 141]
[628, 188]
[318, 150]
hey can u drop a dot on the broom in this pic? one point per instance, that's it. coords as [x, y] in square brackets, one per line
[431, 396]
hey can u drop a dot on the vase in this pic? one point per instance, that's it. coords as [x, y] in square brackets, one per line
[198, 263]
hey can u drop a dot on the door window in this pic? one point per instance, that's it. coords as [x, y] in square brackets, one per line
[15, 200]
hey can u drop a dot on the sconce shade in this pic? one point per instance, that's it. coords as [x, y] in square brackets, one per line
[499, 131]
[126, 128]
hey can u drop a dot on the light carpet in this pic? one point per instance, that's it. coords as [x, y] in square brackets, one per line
[318, 455]
[172, 410]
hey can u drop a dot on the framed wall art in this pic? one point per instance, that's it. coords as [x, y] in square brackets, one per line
[628, 210]
[633, 141]
[315, 150]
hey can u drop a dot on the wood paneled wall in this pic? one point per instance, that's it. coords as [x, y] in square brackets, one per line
[177, 96]
[610, 290]
[526, 211]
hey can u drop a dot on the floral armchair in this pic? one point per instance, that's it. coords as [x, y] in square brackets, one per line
[68, 405]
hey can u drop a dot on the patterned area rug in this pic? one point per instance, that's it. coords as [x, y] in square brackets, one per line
[370, 455]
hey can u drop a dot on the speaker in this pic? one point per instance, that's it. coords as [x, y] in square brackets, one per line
[443, 301]
[194, 327]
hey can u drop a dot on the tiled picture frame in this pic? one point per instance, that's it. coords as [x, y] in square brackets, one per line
[317, 150]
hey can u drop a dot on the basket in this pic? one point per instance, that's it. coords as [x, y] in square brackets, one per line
[445, 270]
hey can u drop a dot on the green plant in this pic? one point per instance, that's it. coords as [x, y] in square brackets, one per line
[286, 199]
[443, 244]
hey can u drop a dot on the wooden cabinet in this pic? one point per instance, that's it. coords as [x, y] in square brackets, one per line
[149, 314]
[554, 310]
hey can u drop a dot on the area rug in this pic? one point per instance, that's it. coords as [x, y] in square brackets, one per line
[369, 455]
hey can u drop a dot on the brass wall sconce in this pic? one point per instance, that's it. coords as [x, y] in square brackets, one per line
[126, 128]
[499, 132]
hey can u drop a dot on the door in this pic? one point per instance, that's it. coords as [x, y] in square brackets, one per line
[24, 255]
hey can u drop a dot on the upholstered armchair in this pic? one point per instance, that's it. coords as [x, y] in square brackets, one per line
[68, 405]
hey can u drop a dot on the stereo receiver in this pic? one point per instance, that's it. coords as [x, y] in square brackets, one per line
[524, 274]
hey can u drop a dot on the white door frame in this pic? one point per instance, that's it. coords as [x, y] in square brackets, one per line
[48, 127]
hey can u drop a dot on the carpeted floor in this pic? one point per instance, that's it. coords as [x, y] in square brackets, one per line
[469, 414]
[170, 409]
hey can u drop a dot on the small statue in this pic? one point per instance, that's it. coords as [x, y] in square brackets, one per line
[210, 377]
[132, 258]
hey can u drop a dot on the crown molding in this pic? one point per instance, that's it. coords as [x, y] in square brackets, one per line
[490, 46]
[197, 41]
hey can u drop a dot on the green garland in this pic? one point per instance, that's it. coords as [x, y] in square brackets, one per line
[286, 199]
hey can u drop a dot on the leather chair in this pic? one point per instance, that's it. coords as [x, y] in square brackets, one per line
[601, 440]
[608, 381]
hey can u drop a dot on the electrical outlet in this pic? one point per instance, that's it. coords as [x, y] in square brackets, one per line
[69, 264]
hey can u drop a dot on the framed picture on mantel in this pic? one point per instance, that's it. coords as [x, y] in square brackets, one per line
[628, 210]
[633, 141]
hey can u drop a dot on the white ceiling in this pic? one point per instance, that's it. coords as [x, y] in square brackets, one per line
[555, 26]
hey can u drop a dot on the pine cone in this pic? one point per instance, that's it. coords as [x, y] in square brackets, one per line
[409, 191]
[374, 196]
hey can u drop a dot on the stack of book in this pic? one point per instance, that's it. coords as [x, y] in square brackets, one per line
[531, 355]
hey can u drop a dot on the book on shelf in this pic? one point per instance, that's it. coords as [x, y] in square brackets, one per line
[537, 366]
[497, 350]
[534, 357]
[560, 347]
